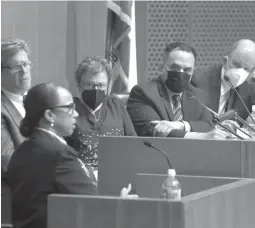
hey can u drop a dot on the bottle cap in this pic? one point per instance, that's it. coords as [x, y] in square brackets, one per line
[171, 173]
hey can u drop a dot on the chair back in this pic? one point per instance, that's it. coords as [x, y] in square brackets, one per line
[123, 97]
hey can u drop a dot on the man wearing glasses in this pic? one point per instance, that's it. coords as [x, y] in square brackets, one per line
[16, 81]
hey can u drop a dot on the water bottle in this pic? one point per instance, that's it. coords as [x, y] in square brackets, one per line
[171, 188]
[251, 123]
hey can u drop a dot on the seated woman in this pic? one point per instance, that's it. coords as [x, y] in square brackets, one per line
[44, 164]
[99, 114]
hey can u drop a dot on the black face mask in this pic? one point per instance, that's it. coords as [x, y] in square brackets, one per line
[177, 82]
[93, 97]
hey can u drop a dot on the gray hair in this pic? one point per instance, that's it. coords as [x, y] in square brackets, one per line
[11, 47]
[93, 65]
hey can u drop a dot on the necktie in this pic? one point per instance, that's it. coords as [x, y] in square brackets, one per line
[177, 108]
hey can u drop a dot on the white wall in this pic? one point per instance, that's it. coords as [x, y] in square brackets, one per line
[58, 33]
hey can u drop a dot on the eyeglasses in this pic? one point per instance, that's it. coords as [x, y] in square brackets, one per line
[98, 86]
[70, 107]
[19, 66]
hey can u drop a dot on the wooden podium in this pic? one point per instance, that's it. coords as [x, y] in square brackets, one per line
[120, 158]
[231, 204]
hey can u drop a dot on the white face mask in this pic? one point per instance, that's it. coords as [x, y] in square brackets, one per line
[237, 75]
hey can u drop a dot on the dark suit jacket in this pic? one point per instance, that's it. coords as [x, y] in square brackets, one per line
[41, 166]
[151, 102]
[10, 135]
[209, 80]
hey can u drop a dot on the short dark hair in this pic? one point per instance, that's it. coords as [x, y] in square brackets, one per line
[93, 65]
[180, 46]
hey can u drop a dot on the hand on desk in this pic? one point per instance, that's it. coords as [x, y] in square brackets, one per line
[124, 193]
[231, 124]
[214, 134]
[164, 127]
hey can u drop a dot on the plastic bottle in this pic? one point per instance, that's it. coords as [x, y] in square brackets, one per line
[171, 188]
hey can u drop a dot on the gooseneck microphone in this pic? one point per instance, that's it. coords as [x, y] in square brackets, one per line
[231, 114]
[148, 144]
[227, 79]
[216, 121]
[219, 118]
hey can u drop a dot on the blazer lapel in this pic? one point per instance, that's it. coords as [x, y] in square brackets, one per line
[14, 113]
[39, 134]
[187, 103]
[165, 100]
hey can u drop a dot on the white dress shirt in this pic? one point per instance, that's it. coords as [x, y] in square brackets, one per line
[224, 94]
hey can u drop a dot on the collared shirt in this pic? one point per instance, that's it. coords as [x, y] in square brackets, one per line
[17, 101]
[60, 139]
[224, 94]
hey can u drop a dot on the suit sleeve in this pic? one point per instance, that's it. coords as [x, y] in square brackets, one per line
[129, 129]
[141, 111]
[7, 146]
[71, 178]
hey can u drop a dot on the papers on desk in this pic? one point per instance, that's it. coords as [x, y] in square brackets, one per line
[218, 134]
[244, 135]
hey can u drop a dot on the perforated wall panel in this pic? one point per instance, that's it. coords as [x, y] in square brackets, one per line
[216, 25]
[166, 22]
[209, 26]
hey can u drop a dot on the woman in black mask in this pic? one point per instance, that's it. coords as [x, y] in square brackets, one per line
[99, 114]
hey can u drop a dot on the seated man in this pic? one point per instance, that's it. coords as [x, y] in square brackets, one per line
[237, 65]
[16, 80]
[164, 107]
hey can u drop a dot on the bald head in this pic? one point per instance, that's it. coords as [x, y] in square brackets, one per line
[242, 53]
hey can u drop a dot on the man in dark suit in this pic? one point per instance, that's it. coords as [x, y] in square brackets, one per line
[237, 65]
[164, 107]
[16, 80]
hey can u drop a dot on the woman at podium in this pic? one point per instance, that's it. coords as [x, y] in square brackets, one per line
[44, 164]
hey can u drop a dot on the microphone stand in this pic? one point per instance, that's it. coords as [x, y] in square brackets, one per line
[216, 121]
[148, 144]
[243, 122]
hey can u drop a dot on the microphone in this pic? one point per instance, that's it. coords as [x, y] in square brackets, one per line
[200, 102]
[244, 123]
[216, 121]
[148, 144]
[218, 118]
[227, 79]
[231, 114]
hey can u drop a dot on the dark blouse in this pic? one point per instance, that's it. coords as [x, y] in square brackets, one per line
[112, 119]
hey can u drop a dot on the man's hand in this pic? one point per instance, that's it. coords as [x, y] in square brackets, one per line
[164, 127]
[231, 124]
[125, 193]
[214, 134]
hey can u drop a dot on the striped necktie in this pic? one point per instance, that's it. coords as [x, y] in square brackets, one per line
[177, 107]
